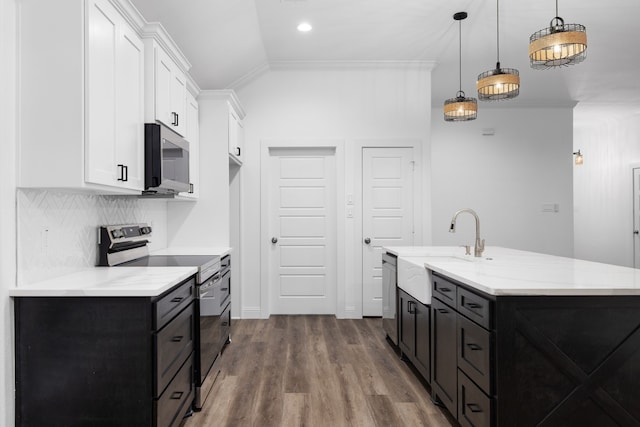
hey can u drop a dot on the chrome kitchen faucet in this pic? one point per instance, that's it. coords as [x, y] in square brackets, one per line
[479, 246]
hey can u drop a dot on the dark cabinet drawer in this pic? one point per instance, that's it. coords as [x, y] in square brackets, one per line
[173, 344]
[474, 307]
[172, 405]
[474, 407]
[474, 353]
[171, 304]
[445, 290]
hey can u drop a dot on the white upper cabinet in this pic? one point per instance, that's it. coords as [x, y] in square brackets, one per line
[193, 137]
[82, 107]
[235, 129]
[166, 87]
[115, 99]
[236, 135]
[170, 92]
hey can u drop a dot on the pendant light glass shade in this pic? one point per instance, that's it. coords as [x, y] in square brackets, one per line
[460, 108]
[558, 45]
[499, 83]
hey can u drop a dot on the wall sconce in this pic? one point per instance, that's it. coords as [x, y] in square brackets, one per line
[579, 157]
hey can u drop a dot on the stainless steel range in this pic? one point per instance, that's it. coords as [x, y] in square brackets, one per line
[127, 246]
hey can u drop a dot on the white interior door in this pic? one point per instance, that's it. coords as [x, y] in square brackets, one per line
[387, 215]
[636, 217]
[303, 231]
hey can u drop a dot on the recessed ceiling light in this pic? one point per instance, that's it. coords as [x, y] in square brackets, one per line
[304, 27]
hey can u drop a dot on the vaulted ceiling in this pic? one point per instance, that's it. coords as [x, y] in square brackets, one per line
[229, 42]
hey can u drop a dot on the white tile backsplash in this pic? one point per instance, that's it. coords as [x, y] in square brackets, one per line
[57, 231]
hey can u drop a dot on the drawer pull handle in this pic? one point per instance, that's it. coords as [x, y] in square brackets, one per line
[442, 311]
[177, 338]
[176, 395]
[224, 289]
[410, 309]
[177, 299]
[474, 305]
[474, 347]
[474, 407]
[444, 289]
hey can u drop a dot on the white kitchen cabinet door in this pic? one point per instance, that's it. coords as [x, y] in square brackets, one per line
[114, 145]
[193, 137]
[170, 92]
[130, 108]
[236, 136]
[102, 40]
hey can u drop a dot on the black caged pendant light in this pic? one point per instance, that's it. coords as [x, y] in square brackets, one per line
[460, 108]
[499, 83]
[558, 45]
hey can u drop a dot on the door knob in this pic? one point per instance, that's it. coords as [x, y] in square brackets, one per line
[274, 240]
[367, 240]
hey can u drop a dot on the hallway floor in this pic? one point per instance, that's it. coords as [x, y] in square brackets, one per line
[314, 371]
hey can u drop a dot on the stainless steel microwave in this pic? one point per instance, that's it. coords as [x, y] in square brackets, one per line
[166, 165]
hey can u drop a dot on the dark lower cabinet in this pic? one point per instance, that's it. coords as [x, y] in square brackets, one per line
[103, 361]
[565, 361]
[415, 333]
[444, 367]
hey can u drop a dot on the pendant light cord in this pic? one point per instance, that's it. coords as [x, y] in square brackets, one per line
[460, 53]
[498, 30]
[557, 8]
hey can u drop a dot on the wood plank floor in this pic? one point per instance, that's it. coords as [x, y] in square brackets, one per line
[314, 371]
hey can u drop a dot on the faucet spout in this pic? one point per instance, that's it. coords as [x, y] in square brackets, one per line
[478, 248]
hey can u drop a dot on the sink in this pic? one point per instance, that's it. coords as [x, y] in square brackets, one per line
[471, 258]
[414, 278]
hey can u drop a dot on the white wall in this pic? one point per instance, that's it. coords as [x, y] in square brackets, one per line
[205, 223]
[329, 103]
[505, 178]
[7, 205]
[609, 139]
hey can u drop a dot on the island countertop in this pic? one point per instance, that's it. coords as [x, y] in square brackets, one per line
[503, 271]
[108, 282]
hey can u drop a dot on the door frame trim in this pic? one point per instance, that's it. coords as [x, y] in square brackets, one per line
[418, 183]
[339, 146]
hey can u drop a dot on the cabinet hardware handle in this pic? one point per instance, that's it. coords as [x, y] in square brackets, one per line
[474, 305]
[176, 395]
[175, 118]
[474, 347]
[238, 148]
[442, 311]
[125, 169]
[190, 188]
[274, 240]
[409, 305]
[474, 407]
[177, 338]
[444, 289]
[177, 299]
[121, 177]
[367, 240]
[224, 289]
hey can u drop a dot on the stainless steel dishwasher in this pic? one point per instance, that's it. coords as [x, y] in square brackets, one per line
[389, 296]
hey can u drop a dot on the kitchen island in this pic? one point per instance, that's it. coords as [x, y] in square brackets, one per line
[526, 339]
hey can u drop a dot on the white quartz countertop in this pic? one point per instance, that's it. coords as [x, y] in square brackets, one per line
[502, 271]
[189, 250]
[108, 282]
